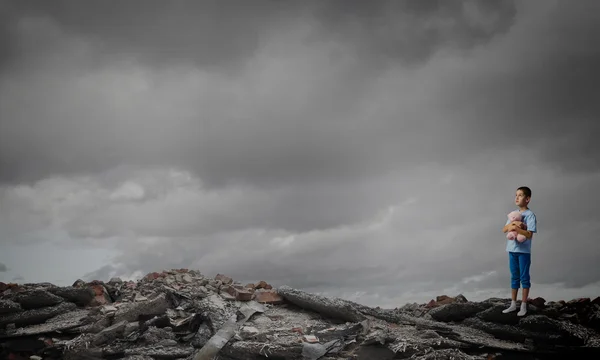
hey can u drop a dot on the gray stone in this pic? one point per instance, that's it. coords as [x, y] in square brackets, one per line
[495, 315]
[132, 312]
[60, 322]
[78, 295]
[111, 333]
[334, 308]
[35, 299]
[36, 316]
[456, 311]
[9, 306]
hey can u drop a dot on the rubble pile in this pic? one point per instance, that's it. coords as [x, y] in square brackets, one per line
[181, 314]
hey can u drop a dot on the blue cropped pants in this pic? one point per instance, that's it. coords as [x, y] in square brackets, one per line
[519, 264]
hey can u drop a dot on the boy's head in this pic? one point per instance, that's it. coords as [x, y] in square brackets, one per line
[523, 196]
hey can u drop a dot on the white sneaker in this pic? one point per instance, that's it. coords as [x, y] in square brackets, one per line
[513, 307]
[523, 310]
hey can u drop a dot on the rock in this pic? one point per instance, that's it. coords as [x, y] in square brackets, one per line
[9, 306]
[456, 311]
[79, 283]
[538, 302]
[35, 299]
[223, 279]
[566, 333]
[240, 294]
[249, 332]
[268, 297]
[581, 302]
[101, 296]
[334, 308]
[154, 335]
[58, 323]
[227, 296]
[132, 312]
[36, 316]
[263, 285]
[109, 334]
[81, 296]
[174, 314]
[495, 315]
[461, 299]
[444, 299]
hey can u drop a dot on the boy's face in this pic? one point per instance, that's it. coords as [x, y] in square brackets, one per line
[520, 199]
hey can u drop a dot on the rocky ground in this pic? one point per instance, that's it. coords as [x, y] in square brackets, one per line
[181, 314]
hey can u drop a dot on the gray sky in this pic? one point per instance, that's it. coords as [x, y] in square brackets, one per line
[365, 150]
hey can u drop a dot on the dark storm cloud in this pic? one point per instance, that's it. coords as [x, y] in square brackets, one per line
[373, 144]
[3, 268]
[203, 32]
[217, 32]
[539, 86]
[409, 32]
[53, 122]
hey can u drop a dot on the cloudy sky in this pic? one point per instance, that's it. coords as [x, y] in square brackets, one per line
[369, 150]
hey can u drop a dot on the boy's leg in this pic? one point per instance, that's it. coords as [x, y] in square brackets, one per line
[515, 276]
[524, 265]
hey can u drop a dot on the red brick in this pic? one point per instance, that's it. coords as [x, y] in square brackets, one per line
[101, 296]
[239, 294]
[268, 297]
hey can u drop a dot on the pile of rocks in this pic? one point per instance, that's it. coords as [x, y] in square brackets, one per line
[181, 314]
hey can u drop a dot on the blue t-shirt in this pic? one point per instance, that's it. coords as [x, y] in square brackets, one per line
[525, 246]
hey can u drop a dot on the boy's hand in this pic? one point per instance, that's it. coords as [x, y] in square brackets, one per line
[519, 224]
[513, 227]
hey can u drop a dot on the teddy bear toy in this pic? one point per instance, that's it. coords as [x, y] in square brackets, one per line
[512, 235]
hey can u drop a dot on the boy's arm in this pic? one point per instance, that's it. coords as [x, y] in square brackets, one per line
[528, 234]
[507, 227]
[531, 223]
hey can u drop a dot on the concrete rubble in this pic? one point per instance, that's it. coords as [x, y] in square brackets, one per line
[181, 314]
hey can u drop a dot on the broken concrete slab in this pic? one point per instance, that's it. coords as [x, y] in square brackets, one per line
[35, 299]
[456, 311]
[61, 322]
[132, 312]
[185, 314]
[36, 316]
[9, 306]
[78, 295]
[110, 333]
[334, 308]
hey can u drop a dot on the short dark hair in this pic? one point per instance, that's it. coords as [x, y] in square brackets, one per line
[525, 190]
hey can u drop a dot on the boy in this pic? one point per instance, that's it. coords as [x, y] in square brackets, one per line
[519, 254]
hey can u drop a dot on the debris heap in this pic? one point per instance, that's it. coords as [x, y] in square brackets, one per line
[181, 314]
